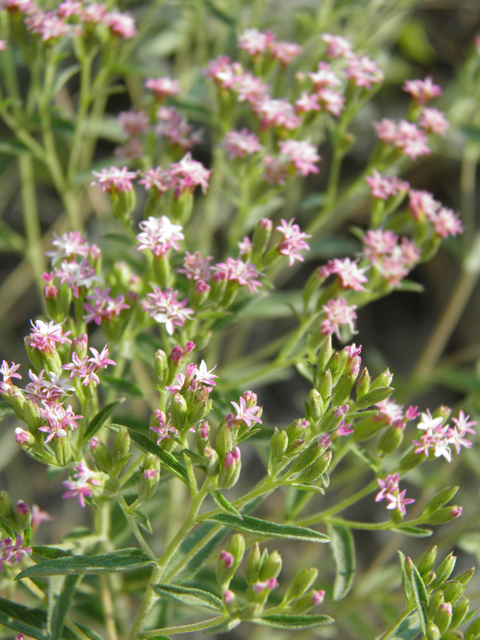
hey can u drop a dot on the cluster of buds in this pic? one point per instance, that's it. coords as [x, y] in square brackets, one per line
[16, 523]
[446, 608]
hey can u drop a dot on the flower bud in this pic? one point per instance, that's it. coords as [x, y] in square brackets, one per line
[278, 444]
[307, 457]
[271, 567]
[32, 416]
[374, 396]
[363, 384]
[315, 405]
[295, 447]
[253, 564]
[439, 499]
[199, 411]
[425, 565]
[460, 610]
[453, 635]
[324, 355]
[336, 365]
[161, 368]
[236, 546]
[59, 305]
[123, 204]
[178, 412]
[344, 388]
[383, 380]
[472, 632]
[231, 602]
[34, 355]
[465, 577]
[225, 569]
[316, 469]
[15, 398]
[149, 477]
[101, 455]
[411, 460]
[261, 237]
[63, 450]
[301, 583]
[453, 591]
[212, 461]
[307, 601]
[443, 617]
[198, 294]
[296, 430]
[23, 516]
[218, 285]
[6, 509]
[433, 632]
[224, 440]
[121, 450]
[24, 439]
[436, 599]
[202, 437]
[445, 514]
[230, 470]
[325, 387]
[80, 346]
[391, 439]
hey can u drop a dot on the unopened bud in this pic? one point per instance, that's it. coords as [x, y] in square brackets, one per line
[224, 440]
[161, 367]
[316, 469]
[301, 583]
[278, 444]
[325, 387]
[212, 461]
[324, 355]
[253, 564]
[391, 439]
[465, 577]
[225, 569]
[472, 632]
[436, 599]
[149, 477]
[271, 567]
[453, 591]
[373, 397]
[178, 412]
[336, 365]
[23, 516]
[411, 460]
[433, 632]
[439, 499]
[236, 546]
[315, 405]
[460, 610]
[307, 601]
[443, 616]
[202, 437]
[218, 285]
[231, 602]
[425, 565]
[80, 346]
[24, 438]
[32, 416]
[63, 450]
[383, 380]
[101, 455]
[445, 514]
[121, 450]
[261, 237]
[6, 509]
[363, 384]
[344, 387]
[311, 453]
[230, 470]
[199, 411]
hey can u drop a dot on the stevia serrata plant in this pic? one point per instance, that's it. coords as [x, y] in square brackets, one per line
[190, 255]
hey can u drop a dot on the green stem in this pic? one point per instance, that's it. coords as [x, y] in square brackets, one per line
[134, 527]
[396, 623]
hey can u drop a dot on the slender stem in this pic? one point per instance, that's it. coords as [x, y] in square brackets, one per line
[396, 623]
[185, 628]
[193, 552]
[134, 527]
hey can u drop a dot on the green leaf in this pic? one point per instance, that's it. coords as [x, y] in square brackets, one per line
[5, 410]
[231, 21]
[122, 560]
[93, 635]
[407, 587]
[168, 461]
[409, 629]
[307, 487]
[415, 532]
[290, 621]
[419, 593]
[31, 622]
[269, 529]
[343, 550]
[48, 553]
[190, 596]
[248, 434]
[122, 386]
[225, 626]
[61, 606]
[99, 420]
[64, 77]
[439, 500]
[143, 520]
[223, 504]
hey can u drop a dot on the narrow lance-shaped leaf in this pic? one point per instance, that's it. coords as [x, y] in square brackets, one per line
[223, 504]
[31, 622]
[407, 587]
[61, 606]
[122, 386]
[168, 461]
[343, 550]
[122, 560]
[99, 420]
[290, 621]
[190, 596]
[269, 529]
[415, 532]
[419, 593]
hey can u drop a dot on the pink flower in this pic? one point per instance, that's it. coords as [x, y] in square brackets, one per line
[240, 143]
[195, 267]
[378, 243]
[411, 141]
[120, 24]
[276, 169]
[12, 552]
[165, 429]
[44, 390]
[176, 129]
[324, 77]
[384, 186]
[255, 42]
[398, 501]
[464, 424]
[331, 101]
[104, 307]
[363, 72]
[338, 47]
[301, 154]
[162, 87]
[3, 45]
[422, 91]
[133, 122]
[45, 336]
[68, 246]
[245, 273]
[293, 241]
[276, 113]
[87, 368]
[446, 223]
[165, 309]
[159, 235]
[387, 486]
[39, 516]
[9, 372]
[386, 130]
[157, 179]
[114, 179]
[188, 175]
[93, 12]
[205, 377]
[433, 121]
[77, 275]
[338, 313]
[421, 204]
[247, 415]
[350, 276]
[59, 420]
[307, 103]
[285, 52]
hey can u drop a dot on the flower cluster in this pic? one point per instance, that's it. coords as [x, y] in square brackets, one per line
[391, 491]
[391, 259]
[164, 308]
[11, 552]
[82, 484]
[439, 437]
